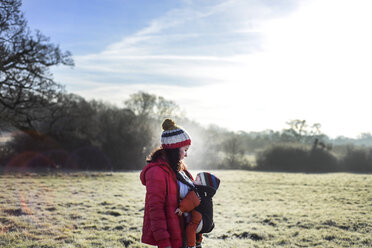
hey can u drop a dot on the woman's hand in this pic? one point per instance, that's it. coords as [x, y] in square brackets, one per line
[178, 211]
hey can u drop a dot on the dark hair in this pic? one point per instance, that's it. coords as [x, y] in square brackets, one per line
[172, 156]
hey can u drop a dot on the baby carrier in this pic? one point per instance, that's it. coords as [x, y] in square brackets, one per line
[205, 194]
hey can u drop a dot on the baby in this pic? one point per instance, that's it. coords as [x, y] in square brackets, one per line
[199, 201]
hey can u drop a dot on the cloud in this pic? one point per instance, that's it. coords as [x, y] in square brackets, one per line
[189, 46]
[249, 65]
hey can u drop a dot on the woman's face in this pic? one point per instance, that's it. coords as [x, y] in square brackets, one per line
[183, 152]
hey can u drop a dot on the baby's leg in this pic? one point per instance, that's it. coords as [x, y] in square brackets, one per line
[192, 226]
[199, 237]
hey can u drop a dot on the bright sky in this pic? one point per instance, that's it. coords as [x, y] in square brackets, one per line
[241, 64]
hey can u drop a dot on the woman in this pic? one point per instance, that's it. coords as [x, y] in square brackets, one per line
[161, 226]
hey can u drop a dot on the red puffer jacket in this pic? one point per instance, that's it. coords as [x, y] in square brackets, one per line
[161, 226]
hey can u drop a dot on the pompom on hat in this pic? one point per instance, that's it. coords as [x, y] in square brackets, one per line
[174, 136]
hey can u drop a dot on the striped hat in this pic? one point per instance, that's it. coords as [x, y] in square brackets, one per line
[174, 136]
[208, 179]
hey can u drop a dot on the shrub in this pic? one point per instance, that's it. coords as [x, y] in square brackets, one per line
[281, 158]
[35, 151]
[296, 158]
[320, 160]
[26, 151]
[357, 160]
[91, 158]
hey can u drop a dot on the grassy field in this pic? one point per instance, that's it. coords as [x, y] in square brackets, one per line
[252, 209]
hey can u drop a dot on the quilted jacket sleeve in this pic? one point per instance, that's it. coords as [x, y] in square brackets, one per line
[156, 186]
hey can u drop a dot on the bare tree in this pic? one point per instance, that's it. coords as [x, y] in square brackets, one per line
[147, 105]
[26, 84]
[142, 104]
[166, 108]
[316, 129]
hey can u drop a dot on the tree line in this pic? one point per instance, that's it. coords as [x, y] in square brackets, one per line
[54, 129]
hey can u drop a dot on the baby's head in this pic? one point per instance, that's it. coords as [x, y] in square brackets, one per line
[207, 179]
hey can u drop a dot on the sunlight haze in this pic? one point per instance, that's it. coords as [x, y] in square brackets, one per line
[242, 65]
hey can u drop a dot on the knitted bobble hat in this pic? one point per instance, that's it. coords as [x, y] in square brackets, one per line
[174, 136]
[208, 179]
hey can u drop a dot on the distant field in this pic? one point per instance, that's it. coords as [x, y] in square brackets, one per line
[252, 209]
